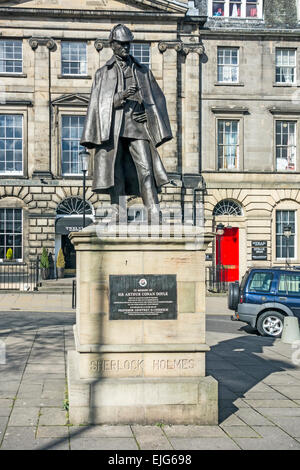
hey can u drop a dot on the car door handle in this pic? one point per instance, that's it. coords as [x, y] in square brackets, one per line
[282, 298]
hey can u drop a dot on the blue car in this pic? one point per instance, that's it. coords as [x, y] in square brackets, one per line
[265, 297]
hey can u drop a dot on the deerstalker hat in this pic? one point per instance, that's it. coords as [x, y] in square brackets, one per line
[121, 33]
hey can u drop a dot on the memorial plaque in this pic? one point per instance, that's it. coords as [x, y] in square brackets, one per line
[143, 297]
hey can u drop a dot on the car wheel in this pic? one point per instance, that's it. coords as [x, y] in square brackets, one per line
[233, 295]
[270, 324]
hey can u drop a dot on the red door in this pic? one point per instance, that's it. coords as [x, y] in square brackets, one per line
[227, 254]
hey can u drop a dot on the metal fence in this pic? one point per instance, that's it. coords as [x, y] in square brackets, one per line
[74, 294]
[217, 279]
[19, 276]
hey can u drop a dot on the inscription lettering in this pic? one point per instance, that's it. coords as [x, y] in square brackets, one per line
[161, 364]
[111, 365]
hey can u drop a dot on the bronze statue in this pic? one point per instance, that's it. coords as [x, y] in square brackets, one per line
[126, 121]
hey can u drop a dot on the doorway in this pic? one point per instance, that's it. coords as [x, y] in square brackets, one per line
[69, 252]
[227, 254]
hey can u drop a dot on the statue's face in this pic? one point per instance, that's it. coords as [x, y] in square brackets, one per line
[120, 49]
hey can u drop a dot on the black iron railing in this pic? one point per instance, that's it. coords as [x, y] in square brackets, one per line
[74, 294]
[19, 276]
[217, 279]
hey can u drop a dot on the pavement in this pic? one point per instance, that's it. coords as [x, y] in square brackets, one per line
[259, 389]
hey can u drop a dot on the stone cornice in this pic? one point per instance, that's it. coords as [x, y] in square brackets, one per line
[285, 110]
[250, 34]
[90, 14]
[230, 110]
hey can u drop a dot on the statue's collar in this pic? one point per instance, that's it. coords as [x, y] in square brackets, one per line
[113, 60]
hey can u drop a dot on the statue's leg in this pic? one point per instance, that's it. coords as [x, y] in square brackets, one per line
[141, 155]
[117, 192]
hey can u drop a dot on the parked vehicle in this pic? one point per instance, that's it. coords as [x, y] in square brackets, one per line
[265, 297]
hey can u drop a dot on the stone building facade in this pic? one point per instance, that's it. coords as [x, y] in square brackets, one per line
[250, 131]
[229, 71]
[49, 54]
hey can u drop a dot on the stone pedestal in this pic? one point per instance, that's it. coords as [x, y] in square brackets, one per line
[140, 371]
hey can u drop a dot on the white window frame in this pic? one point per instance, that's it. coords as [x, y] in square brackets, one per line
[6, 59]
[294, 146]
[280, 66]
[223, 167]
[279, 258]
[15, 172]
[243, 9]
[22, 237]
[141, 56]
[79, 61]
[229, 66]
[68, 174]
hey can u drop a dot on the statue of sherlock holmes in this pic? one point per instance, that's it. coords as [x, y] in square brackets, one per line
[126, 121]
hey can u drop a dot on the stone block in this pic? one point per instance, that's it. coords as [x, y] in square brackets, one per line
[142, 364]
[141, 401]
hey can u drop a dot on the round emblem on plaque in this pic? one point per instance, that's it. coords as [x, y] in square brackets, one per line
[142, 282]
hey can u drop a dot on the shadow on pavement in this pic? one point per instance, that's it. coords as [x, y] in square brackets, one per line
[240, 366]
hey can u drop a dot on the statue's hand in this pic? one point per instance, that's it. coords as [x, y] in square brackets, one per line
[129, 91]
[140, 117]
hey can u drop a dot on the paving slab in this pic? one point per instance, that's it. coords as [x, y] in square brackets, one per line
[252, 418]
[193, 431]
[231, 420]
[100, 431]
[240, 431]
[52, 416]
[52, 432]
[281, 378]
[19, 438]
[198, 443]
[271, 403]
[151, 438]
[270, 412]
[289, 424]
[106, 443]
[290, 391]
[271, 438]
[24, 416]
[52, 444]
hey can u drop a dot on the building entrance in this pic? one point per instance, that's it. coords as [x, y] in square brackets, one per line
[70, 219]
[69, 252]
[227, 254]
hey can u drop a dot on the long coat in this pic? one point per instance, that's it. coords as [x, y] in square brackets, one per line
[103, 123]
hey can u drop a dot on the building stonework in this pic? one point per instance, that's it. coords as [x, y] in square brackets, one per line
[43, 95]
[244, 102]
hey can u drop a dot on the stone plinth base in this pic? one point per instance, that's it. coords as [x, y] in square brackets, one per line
[180, 400]
[140, 328]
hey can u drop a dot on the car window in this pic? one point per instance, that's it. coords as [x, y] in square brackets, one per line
[261, 282]
[289, 283]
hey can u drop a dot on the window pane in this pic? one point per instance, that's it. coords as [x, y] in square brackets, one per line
[235, 9]
[261, 282]
[73, 58]
[218, 8]
[285, 247]
[10, 56]
[11, 232]
[228, 147]
[72, 127]
[228, 65]
[286, 146]
[11, 143]
[141, 52]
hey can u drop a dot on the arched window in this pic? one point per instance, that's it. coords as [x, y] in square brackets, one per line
[227, 207]
[74, 206]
